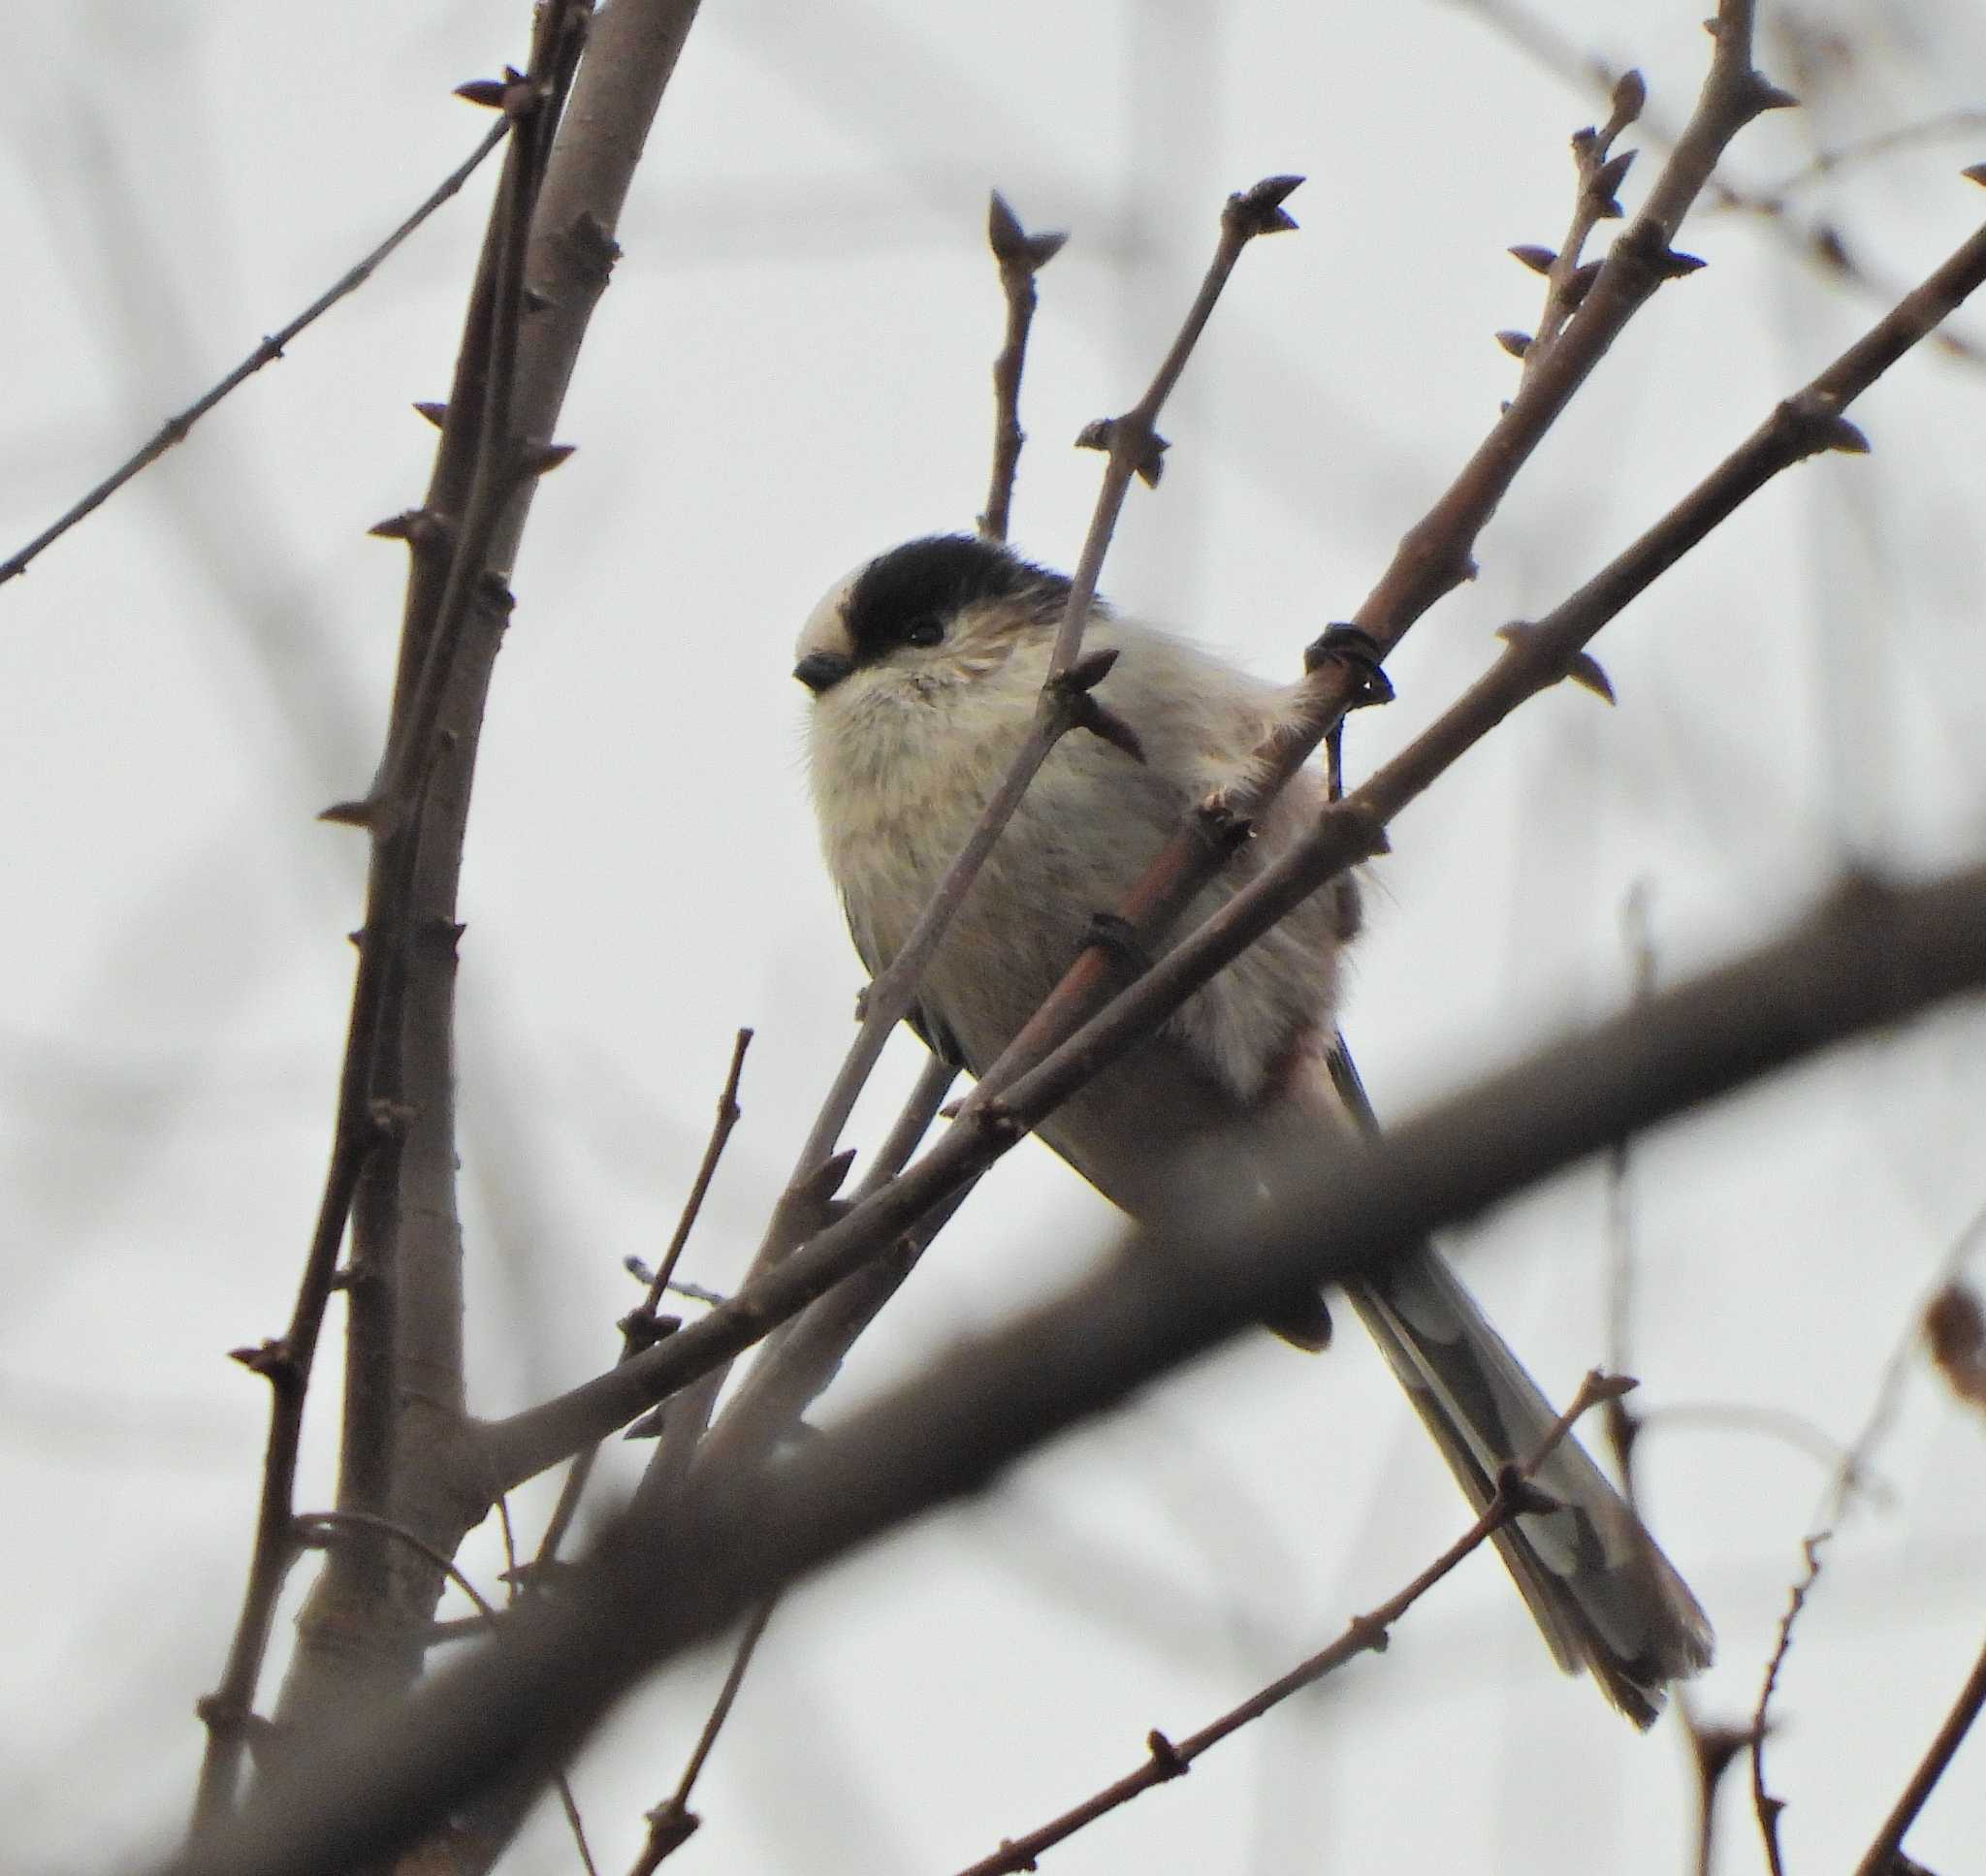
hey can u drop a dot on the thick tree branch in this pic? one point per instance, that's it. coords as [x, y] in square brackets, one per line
[402, 997]
[1872, 954]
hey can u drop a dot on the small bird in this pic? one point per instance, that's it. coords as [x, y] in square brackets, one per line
[924, 666]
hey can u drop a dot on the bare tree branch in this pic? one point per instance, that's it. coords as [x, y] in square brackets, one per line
[1883, 1853]
[1369, 1634]
[1847, 1480]
[1022, 256]
[175, 430]
[1872, 954]
[1435, 555]
[672, 1822]
[397, 1088]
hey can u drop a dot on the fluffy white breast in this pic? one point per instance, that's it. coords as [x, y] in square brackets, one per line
[904, 753]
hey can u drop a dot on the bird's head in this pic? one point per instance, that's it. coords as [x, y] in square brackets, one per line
[933, 612]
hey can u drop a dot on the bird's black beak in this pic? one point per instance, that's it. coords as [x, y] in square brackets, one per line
[821, 671]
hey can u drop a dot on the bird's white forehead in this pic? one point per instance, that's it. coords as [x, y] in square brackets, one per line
[827, 625]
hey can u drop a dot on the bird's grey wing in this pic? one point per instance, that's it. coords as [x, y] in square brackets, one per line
[1135, 1132]
[922, 1023]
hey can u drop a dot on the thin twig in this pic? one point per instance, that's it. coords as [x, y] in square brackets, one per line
[1369, 1634]
[1819, 243]
[1864, 149]
[641, 1330]
[1568, 276]
[1868, 959]
[175, 430]
[1778, 1423]
[728, 1115]
[672, 1822]
[1847, 1480]
[1882, 1860]
[1022, 256]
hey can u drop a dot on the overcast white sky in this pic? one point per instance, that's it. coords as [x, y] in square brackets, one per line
[789, 375]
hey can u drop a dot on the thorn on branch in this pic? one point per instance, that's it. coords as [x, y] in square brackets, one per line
[1975, 172]
[1760, 94]
[271, 1359]
[643, 1330]
[419, 528]
[1538, 259]
[1818, 425]
[541, 458]
[1085, 712]
[494, 597]
[1104, 433]
[826, 1179]
[488, 93]
[1606, 182]
[590, 249]
[670, 1827]
[438, 939]
[1260, 210]
[1088, 671]
[351, 813]
[1515, 343]
[651, 1425]
[1580, 283]
[1369, 1632]
[435, 413]
[1581, 667]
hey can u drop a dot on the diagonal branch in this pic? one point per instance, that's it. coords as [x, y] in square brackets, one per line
[1435, 555]
[176, 428]
[1369, 1634]
[1535, 658]
[1134, 449]
[1883, 1855]
[1874, 955]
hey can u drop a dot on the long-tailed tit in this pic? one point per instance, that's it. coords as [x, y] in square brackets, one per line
[925, 665]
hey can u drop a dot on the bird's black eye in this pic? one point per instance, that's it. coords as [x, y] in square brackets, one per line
[927, 628]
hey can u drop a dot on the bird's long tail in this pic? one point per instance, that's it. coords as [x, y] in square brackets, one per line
[1600, 1588]
[1597, 1583]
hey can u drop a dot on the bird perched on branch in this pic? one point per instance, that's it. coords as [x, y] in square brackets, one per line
[925, 666]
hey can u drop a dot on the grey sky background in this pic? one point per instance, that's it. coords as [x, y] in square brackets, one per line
[789, 375]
